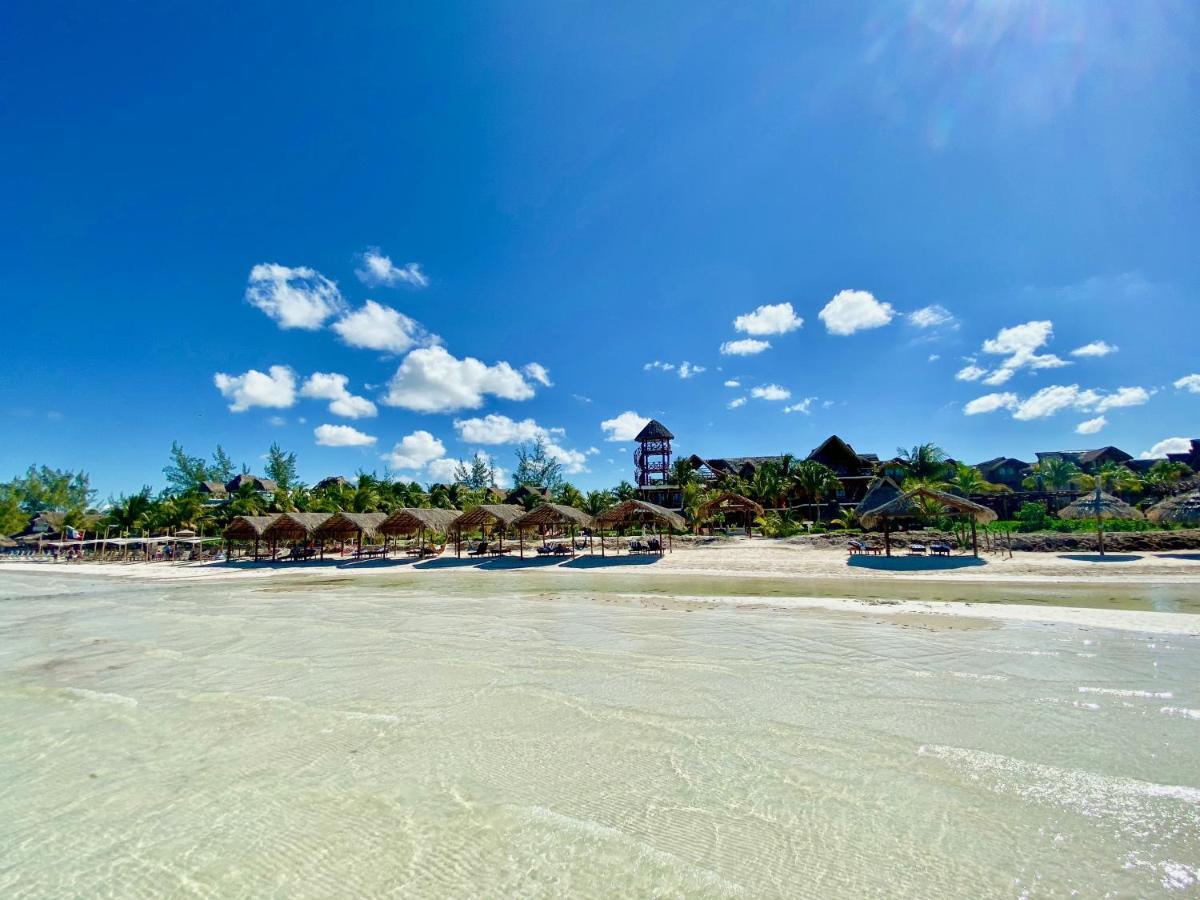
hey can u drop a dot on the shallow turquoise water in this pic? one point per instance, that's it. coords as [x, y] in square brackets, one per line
[236, 739]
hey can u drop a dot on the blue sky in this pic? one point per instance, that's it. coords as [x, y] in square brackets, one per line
[952, 202]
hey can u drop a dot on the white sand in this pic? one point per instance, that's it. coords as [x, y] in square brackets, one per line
[811, 572]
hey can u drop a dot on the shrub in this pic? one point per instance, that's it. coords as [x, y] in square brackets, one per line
[1032, 517]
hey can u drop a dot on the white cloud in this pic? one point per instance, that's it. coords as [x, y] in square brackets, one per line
[294, 298]
[804, 406]
[593, 451]
[732, 383]
[494, 429]
[1189, 383]
[332, 387]
[1125, 396]
[1019, 345]
[581, 398]
[1048, 401]
[415, 451]
[1167, 445]
[970, 372]
[990, 403]
[770, 392]
[539, 373]
[774, 318]
[851, 311]
[377, 327]
[744, 347]
[441, 471]
[341, 436]
[432, 380]
[1095, 348]
[1057, 397]
[275, 388]
[498, 429]
[624, 427]
[660, 365]
[378, 269]
[1091, 426]
[735, 403]
[277, 421]
[932, 316]
[687, 370]
[933, 357]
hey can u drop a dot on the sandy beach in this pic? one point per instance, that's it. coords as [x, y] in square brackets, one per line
[1152, 592]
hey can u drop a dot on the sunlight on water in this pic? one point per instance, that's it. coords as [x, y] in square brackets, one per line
[228, 739]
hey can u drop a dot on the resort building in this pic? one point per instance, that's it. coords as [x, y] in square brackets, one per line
[1005, 470]
[1088, 460]
[652, 467]
[216, 492]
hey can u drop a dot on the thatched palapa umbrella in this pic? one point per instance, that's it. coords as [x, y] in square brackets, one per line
[728, 501]
[640, 512]
[420, 520]
[904, 506]
[343, 526]
[296, 527]
[248, 528]
[1182, 509]
[1099, 506]
[494, 516]
[552, 514]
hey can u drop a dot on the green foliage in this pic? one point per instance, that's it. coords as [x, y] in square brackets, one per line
[1032, 517]
[924, 461]
[184, 473]
[682, 472]
[597, 501]
[222, 467]
[281, 467]
[1165, 473]
[480, 474]
[536, 467]
[966, 480]
[43, 488]
[1052, 474]
[568, 495]
[816, 481]
[625, 491]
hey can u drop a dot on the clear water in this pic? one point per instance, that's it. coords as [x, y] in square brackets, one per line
[250, 740]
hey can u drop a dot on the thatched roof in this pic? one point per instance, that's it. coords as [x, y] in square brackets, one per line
[553, 514]
[409, 520]
[1182, 508]
[296, 526]
[344, 525]
[266, 485]
[247, 528]
[1099, 505]
[654, 430]
[502, 514]
[728, 500]
[905, 506]
[7, 542]
[639, 511]
[880, 492]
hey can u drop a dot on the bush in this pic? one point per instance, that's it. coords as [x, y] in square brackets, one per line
[1031, 517]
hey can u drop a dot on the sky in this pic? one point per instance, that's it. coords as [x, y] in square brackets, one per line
[387, 236]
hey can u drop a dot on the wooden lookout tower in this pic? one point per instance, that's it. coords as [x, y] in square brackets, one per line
[652, 459]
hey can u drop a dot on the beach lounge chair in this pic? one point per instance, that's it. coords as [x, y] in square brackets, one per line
[940, 548]
[481, 549]
[916, 549]
[856, 547]
[654, 545]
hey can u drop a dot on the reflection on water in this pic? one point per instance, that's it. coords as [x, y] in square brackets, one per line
[240, 740]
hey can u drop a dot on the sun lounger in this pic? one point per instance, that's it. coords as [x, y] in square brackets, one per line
[480, 550]
[916, 549]
[940, 548]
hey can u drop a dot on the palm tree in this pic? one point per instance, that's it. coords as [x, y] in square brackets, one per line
[625, 491]
[967, 480]
[597, 501]
[694, 496]
[1113, 477]
[569, 495]
[924, 461]
[130, 513]
[816, 480]
[439, 496]
[847, 518]
[1053, 473]
[683, 472]
[1164, 473]
[766, 485]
